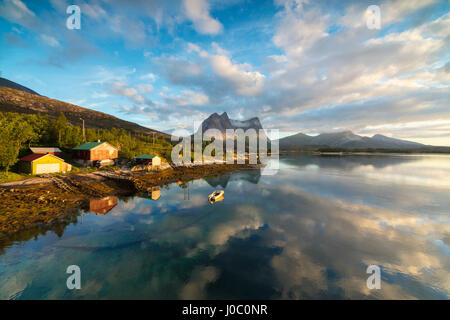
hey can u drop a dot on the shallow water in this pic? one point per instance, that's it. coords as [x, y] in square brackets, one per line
[307, 232]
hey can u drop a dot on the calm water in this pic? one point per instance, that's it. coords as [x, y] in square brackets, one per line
[308, 232]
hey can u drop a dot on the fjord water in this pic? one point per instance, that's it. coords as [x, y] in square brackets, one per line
[307, 232]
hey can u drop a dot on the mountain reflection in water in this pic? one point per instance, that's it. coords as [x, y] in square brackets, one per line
[308, 232]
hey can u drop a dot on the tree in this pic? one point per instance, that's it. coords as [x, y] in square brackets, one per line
[8, 153]
[14, 133]
[60, 126]
[19, 131]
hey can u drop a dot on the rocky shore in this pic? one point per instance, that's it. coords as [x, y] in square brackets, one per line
[45, 201]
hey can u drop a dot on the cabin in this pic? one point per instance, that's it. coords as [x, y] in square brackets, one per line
[155, 193]
[38, 163]
[147, 159]
[102, 206]
[95, 153]
[46, 150]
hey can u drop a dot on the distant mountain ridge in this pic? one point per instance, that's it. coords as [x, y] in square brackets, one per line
[347, 140]
[23, 101]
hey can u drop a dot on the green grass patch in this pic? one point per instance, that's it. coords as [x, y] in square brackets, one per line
[12, 176]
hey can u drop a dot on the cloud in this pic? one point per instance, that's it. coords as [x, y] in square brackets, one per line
[307, 66]
[13, 39]
[200, 278]
[148, 76]
[99, 95]
[17, 12]
[354, 77]
[145, 88]
[299, 29]
[187, 97]
[49, 40]
[198, 12]
[244, 81]
[94, 11]
[133, 31]
[215, 74]
[303, 266]
[103, 75]
[121, 89]
[393, 11]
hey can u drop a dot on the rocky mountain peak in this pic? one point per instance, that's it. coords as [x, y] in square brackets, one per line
[223, 122]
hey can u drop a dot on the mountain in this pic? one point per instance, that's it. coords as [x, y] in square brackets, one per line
[22, 101]
[214, 121]
[223, 122]
[346, 140]
[13, 85]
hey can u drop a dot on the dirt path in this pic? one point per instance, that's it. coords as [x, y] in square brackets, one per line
[25, 182]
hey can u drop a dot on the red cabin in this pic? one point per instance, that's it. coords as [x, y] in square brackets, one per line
[90, 153]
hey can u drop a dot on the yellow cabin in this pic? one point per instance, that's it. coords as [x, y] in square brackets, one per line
[36, 163]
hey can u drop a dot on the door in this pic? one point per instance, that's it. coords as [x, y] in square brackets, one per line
[47, 168]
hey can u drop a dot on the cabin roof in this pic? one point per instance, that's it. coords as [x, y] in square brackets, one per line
[34, 156]
[44, 149]
[88, 145]
[146, 156]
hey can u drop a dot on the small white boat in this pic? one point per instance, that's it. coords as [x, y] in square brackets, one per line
[217, 195]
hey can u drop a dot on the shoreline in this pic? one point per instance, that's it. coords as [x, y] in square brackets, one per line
[46, 202]
[362, 153]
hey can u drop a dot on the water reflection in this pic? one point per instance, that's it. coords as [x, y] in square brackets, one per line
[154, 194]
[103, 205]
[349, 163]
[251, 176]
[308, 232]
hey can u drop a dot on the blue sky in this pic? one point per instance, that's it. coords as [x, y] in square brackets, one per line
[301, 66]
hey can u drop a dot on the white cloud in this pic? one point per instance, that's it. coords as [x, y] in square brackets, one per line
[94, 11]
[105, 76]
[215, 74]
[353, 78]
[49, 40]
[148, 76]
[99, 95]
[198, 12]
[121, 89]
[187, 97]
[145, 88]
[17, 12]
[197, 98]
[133, 31]
[245, 82]
[300, 29]
[392, 11]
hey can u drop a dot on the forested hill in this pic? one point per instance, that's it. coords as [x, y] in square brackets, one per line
[12, 100]
[20, 131]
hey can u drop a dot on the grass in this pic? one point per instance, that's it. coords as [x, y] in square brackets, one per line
[88, 169]
[12, 176]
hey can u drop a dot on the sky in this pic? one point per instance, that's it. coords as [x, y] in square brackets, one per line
[300, 66]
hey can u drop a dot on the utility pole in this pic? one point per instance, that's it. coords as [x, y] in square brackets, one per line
[84, 133]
